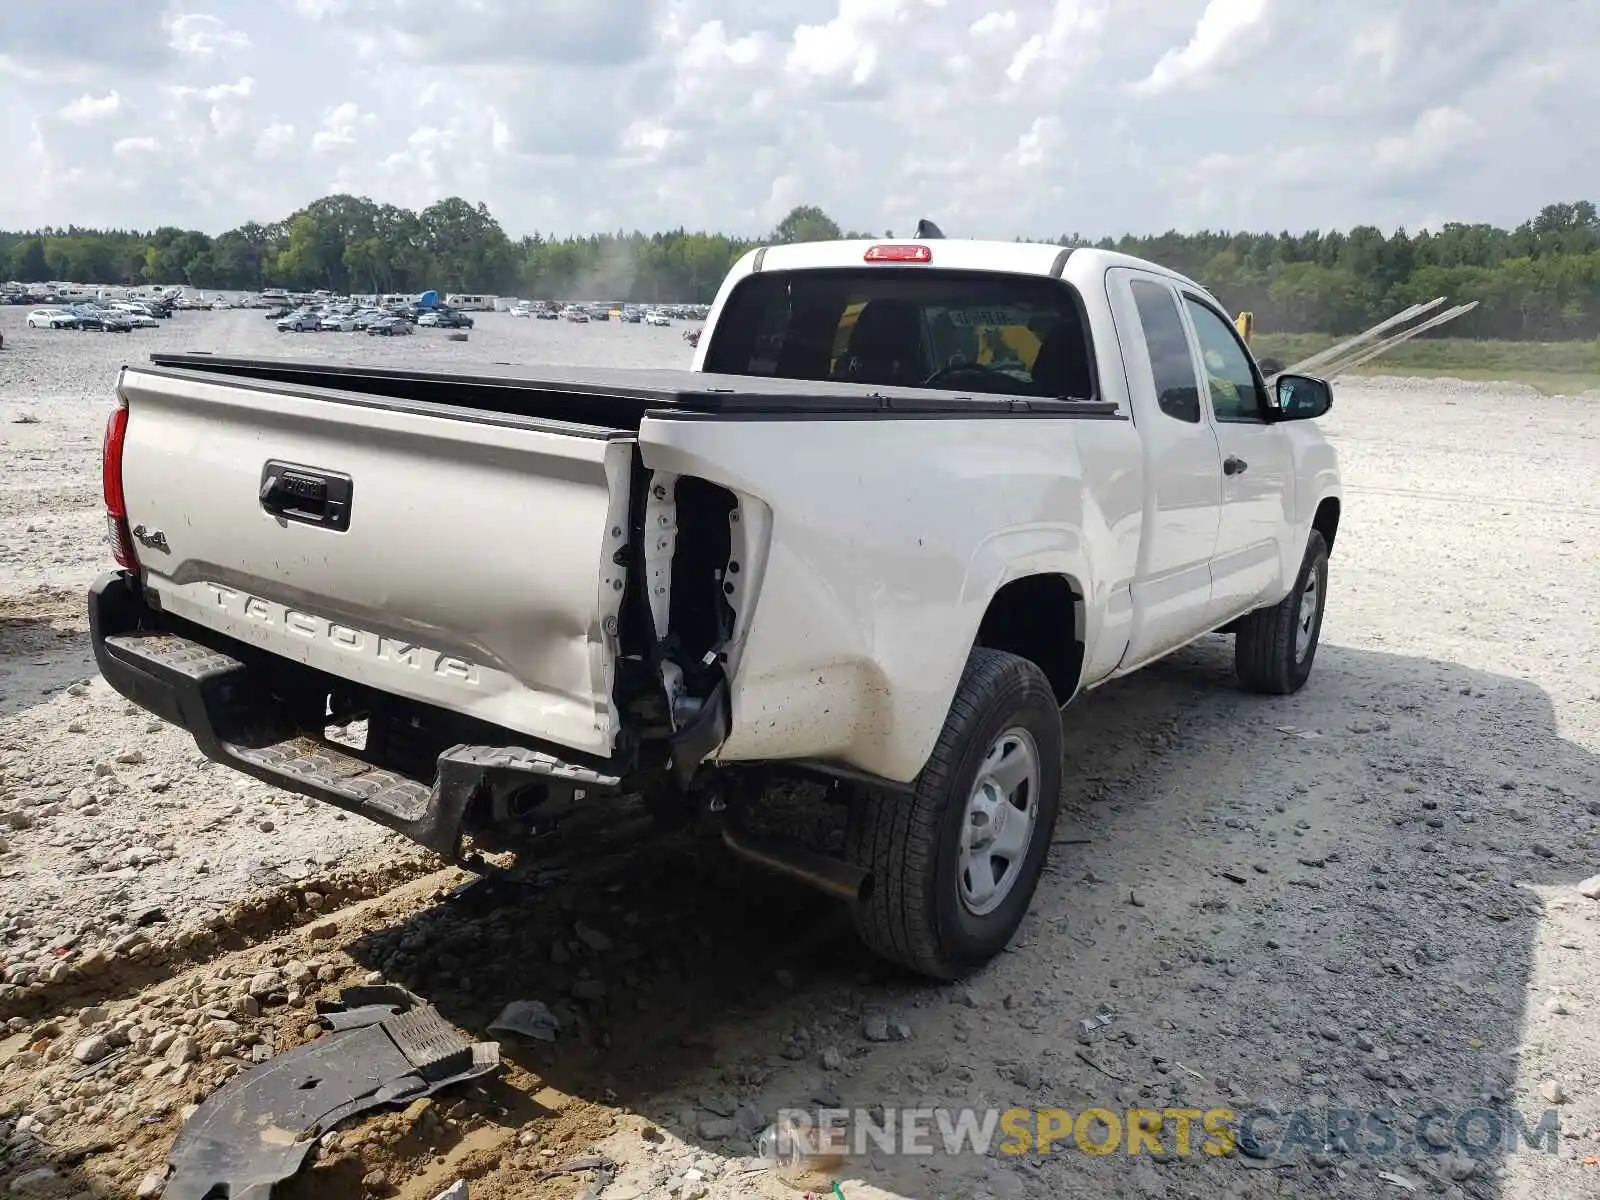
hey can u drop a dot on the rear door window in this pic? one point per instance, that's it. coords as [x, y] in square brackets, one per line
[964, 331]
[1166, 341]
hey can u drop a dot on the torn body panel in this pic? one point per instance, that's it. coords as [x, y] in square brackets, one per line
[383, 1047]
[680, 563]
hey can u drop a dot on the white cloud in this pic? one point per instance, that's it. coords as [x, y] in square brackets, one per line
[993, 117]
[1434, 136]
[845, 47]
[1381, 43]
[86, 108]
[130, 147]
[275, 139]
[992, 23]
[1070, 37]
[341, 127]
[1227, 32]
[1034, 145]
[710, 46]
[200, 35]
[217, 92]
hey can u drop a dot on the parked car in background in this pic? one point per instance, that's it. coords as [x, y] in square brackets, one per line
[445, 318]
[389, 327]
[103, 319]
[136, 316]
[299, 321]
[655, 317]
[52, 318]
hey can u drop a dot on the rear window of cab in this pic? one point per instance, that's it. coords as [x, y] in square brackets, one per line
[907, 327]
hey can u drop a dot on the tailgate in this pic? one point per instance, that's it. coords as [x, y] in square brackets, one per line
[458, 558]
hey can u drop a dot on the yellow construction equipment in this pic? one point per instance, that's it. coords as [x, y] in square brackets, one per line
[1365, 346]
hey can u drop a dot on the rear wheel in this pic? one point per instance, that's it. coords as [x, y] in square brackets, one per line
[1276, 646]
[955, 864]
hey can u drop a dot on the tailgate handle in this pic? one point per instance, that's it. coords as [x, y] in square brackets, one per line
[307, 495]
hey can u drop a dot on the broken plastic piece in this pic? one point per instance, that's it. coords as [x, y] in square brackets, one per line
[527, 1018]
[367, 1004]
[1091, 1026]
[257, 1129]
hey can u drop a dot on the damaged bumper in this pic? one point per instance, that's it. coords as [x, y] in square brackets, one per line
[229, 706]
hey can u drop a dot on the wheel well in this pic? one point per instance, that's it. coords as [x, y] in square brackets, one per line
[1326, 522]
[1039, 618]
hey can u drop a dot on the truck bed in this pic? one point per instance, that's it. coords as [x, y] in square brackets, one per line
[611, 398]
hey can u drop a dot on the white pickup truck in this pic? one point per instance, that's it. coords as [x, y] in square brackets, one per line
[910, 501]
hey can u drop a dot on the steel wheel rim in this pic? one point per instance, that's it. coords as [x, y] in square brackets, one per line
[997, 827]
[1306, 623]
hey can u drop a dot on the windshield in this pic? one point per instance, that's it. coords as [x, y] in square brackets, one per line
[912, 327]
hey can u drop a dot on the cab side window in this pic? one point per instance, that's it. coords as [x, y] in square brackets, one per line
[1235, 394]
[1177, 389]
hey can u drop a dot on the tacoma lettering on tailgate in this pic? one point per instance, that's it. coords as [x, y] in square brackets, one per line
[345, 638]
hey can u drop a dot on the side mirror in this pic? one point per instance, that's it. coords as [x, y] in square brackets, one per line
[1301, 397]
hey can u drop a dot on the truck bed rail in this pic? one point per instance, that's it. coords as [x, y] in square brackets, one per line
[620, 398]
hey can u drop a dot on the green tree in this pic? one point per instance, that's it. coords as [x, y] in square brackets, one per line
[1540, 280]
[806, 223]
[28, 264]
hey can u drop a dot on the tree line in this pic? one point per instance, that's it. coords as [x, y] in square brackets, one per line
[1539, 281]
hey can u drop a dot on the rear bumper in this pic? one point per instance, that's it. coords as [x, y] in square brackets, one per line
[234, 720]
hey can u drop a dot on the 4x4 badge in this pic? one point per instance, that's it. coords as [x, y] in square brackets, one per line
[152, 538]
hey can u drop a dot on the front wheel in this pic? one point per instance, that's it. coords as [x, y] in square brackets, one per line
[955, 864]
[1275, 647]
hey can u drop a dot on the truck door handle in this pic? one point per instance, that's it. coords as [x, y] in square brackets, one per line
[1233, 465]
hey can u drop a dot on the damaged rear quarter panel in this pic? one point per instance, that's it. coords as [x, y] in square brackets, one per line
[880, 562]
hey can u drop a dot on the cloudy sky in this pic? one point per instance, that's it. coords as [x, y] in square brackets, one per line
[994, 117]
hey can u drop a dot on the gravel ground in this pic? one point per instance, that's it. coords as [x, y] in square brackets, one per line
[1368, 897]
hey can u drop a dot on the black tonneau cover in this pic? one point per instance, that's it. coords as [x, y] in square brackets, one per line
[614, 396]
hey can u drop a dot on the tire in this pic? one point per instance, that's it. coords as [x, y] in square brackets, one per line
[1275, 647]
[919, 911]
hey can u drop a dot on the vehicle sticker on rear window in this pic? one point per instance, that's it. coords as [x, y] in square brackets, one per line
[987, 316]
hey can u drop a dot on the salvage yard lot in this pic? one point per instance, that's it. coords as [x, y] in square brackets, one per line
[1361, 897]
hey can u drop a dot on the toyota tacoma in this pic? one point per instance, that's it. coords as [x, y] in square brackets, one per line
[909, 501]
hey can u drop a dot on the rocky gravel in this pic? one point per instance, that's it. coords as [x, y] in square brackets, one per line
[1379, 898]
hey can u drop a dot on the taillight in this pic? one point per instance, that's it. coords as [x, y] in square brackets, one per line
[111, 483]
[900, 254]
